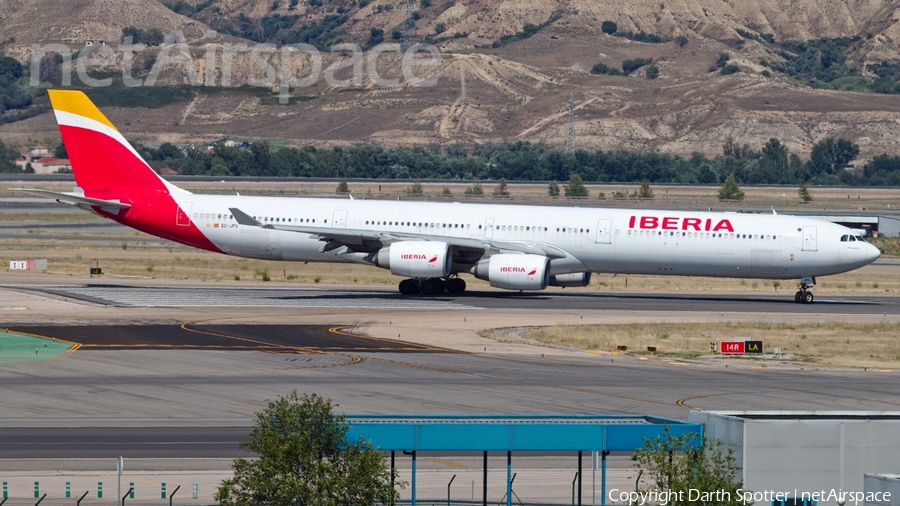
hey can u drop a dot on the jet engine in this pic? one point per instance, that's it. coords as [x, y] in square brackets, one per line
[514, 272]
[416, 259]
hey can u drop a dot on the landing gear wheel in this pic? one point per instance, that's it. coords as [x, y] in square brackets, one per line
[798, 297]
[432, 286]
[409, 287]
[808, 298]
[456, 285]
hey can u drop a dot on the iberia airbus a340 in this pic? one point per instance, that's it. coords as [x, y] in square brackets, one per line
[431, 244]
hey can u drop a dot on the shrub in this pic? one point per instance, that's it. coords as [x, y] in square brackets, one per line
[730, 69]
[629, 66]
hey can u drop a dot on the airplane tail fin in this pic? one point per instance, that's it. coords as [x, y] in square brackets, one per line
[101, 158]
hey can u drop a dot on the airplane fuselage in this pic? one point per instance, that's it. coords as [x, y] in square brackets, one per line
[599, 240]
[514, 247]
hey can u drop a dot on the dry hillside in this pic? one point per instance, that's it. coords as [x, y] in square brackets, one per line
[518, 91]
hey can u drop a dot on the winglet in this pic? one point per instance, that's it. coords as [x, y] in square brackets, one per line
[244, 218]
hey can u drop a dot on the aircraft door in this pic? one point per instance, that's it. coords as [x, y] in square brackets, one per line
[340, 218]
[489, 228]
[809, 239]
[604, 231]
[183, 214]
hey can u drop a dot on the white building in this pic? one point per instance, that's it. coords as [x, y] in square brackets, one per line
[807, 456]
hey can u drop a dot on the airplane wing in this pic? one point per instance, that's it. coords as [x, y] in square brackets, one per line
[372, 240]
[77, 199]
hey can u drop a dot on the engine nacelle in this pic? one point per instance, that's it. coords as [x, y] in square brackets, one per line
[416, 259]
[574, 279]
[515, 272]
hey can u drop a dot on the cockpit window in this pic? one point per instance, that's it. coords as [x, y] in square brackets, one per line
[845, 238]
[860, 238]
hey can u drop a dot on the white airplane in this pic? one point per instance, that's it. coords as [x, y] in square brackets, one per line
[511, 246]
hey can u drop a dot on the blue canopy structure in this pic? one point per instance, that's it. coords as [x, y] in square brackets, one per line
[512, 433]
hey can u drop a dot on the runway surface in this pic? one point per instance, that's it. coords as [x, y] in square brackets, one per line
[262, 338]
[192, 390]
[134, 296]
[167, 403]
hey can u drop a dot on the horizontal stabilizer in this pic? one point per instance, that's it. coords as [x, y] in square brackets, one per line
[74, 198]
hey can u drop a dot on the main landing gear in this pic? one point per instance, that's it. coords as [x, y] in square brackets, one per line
[804, 296]
[432, 286]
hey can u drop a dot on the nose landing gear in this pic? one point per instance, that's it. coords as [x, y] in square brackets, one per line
[804, 296]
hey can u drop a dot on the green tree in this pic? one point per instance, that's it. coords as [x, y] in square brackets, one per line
[501, 189]
[681, 40]
[832, 155]
[445, 192]
[153, 37]
[304, 457]
[721, 61]
[168, 150]
[376, 36]
[774, 162]
[415, 189]
[731, 149]
[629, 66]
[729, 69]
[133, 32]
[6, 159]
[10, 68]
[652, 72]
[730, 189]
[219, 169]
[602, 68]
[690, 465]
[342, 187]
[475, 190]
[609, 27]
[553, 189]
[575, 188]
[645, 192]
[60, 151]
[803, 192]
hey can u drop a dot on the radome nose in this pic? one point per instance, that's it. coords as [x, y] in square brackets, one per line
[872, 253]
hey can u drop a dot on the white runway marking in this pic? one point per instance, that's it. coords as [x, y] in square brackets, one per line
[242, 297]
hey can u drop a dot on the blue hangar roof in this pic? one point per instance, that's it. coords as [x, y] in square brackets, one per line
[512, 432]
